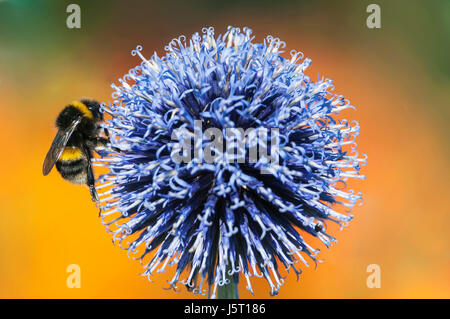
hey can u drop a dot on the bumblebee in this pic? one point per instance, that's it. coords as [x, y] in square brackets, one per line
[74, 143]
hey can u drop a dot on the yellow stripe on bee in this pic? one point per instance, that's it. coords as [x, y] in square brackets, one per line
[71, 153]
[83, 108]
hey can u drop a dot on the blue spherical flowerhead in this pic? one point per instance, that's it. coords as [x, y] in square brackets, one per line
[229, 154]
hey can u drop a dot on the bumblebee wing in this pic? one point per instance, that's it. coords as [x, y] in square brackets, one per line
[58, 145]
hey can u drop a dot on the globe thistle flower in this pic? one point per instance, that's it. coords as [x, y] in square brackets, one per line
[233, 217]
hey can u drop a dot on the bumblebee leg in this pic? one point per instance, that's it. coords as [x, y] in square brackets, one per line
[100, 143]
[99, 209]
[90, 176]
[91, 184]
[96, 142]
[108, 140]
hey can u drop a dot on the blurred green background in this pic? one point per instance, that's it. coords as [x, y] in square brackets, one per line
[397, 76]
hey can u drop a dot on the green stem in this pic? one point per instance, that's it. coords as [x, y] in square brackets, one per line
[229, 291]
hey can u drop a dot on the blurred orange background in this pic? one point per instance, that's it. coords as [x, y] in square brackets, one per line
[397, 77]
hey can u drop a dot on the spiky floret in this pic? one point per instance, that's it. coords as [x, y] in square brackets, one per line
[215, 221]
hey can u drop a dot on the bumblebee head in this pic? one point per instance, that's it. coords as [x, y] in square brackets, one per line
[94, 107]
